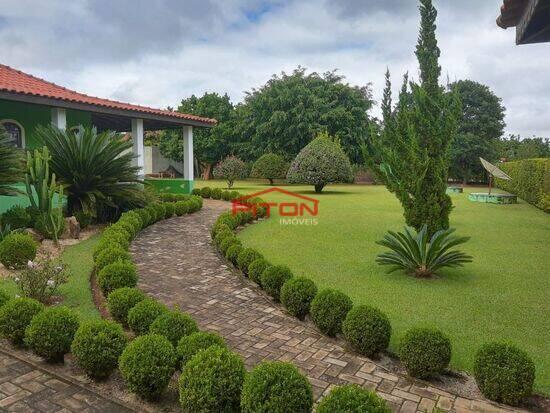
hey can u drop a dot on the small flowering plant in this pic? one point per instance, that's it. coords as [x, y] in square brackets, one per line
[41, 278]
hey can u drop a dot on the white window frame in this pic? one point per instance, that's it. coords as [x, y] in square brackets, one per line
[23, 140]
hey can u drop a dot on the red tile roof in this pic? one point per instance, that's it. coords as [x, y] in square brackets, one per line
[15, 81]
[511, 13]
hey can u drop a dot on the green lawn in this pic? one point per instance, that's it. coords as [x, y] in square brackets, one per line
[503, 295]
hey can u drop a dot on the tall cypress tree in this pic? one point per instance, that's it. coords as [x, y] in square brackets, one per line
[411, 150]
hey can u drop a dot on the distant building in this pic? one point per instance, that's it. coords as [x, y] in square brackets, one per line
[531, 18]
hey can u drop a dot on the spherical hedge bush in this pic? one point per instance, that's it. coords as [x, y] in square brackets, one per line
[111, 237]
[425, 352]
[128, 226]
[216, 193]
[97, 346]
[206, 192]
[4, 297]
[273, 278]
[147, 365]
[152, 211]
[181, 208]
[229, 242]
[51, 332]
[174, 325]
[110, 256]
[212, 381]
[367, 329]
[122, 300]
[297, 294]
[16, 249]
[190, 345]
[233, 252]
[329, 309]
[246, 257]
[169, 210]
[222, 234]
[504, 373]
[117, 275]
[16, 217]
[160, 210]
[144, 215]
[143, 314]
[232, 221]
[256, 268]
[351, 398]
[226, 195]
[276, 387]
[15, 316]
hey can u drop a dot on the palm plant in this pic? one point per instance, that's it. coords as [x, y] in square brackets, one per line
[11, 165]
[95, 169]
[420, 256]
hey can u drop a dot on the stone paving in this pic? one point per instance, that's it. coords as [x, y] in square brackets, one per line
[178, 266]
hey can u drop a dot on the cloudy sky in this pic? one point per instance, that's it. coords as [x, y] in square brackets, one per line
[156, 52]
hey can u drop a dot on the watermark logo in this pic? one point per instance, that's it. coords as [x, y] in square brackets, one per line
[294, 209]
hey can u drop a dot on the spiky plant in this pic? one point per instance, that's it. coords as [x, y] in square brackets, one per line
[11, 165]
[95, 169]
[419, 255]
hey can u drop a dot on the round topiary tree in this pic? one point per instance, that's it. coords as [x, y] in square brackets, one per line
[256, 268]
[504, 373]
[174, 325]
[319, 163]
[329, 309]
[276, 387]
[147, 365]
[97, 346]
[190, 345]
[367, 329]
[16, 249]
[273, 278]
[233, 252]
[351, 398]
[270, 166]
[181, 208]
[425, 352]
[297, 294]
[230, 169]
[109, 256]
[122, 300]
[119, 274]
[143, 314]
[15, 316]
[212, 381]
[246, 257]
[228, 242]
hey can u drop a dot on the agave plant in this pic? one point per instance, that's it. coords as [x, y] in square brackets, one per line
[420, 256]
[11, 165]
[95, 169]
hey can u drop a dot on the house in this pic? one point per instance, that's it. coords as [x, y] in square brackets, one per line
[531, 18]
[27, 101]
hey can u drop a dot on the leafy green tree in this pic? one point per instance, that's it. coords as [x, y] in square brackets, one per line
[286, 113]
[230, 169]
[411, 150]
[480, 127]
[515, 148]
[11, 165]
[270, 166]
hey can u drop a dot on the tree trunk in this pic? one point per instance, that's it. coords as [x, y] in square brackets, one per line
[319, 188]
[207, 171]
[270, 181]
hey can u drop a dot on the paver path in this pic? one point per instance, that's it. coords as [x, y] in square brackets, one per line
[178, 266]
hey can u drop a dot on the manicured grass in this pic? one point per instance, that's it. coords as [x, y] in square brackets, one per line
[502, 295]
[76, 292]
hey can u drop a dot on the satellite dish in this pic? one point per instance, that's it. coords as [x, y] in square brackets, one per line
[494, 171]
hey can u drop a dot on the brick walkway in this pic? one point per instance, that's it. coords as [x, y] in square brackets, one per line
[25, 388]
[178, 266]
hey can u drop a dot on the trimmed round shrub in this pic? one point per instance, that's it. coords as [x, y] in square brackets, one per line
[15, 316]
[117, 275]
[212, 381]
[147, 365]
[143, 314]
[196, 191]
[190, 345]
[169, 210]
[181, 208]
[144, 215]
[233, 252]
[276, 387]
[351, 398]
[152, 211]
[128, 225]
[130, 218]
[160, 210]
[206, 192]
[270, 166]
[256, 268]
[234, 195]
[229, 242]
[246, 257]
[110, 256]
[17, 249]
[113, 236]
[425, 352]
[51, 332]
[97, 346]
[174, 325]
[329, 309]
[4, 297]
[232, 221]
[504, 373]
[122, 300]
[297, 294]
[222, 234]
[226, 195]
[216, 193]
[273, 278]
[16, 217]
[367, 329]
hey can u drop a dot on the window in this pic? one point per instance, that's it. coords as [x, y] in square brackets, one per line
[15, 132]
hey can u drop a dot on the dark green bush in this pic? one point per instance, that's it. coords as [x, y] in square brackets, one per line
[270, 166]
[143, 314]
[16, 249]
[166, 197]
[169, 210]
[97, 346]
[174, 325]
[51, 332]
[216, 193]
[504, 373]
[226, 195]
[195, 204]
[84, 219]
[128, 225]
[16, 217]
[152, 211]
[351, 398]
[425, 352]
[233, 252]
[122, 300]
[367, 329]
[234, 195]
[160, 210]
[196, 191]
[229, 242]
[206, 192]
[15, 316]
[273, 278]
[230, 169]
[109, 256]
[246, 257]
[256, 269]
[4, 297]
[276, 387]
[144, 215]
[329, 309]
[147, 365]
[181, 208]
[117, 275]
[297, 294]
[222, 234]
[212, 381]
[190, 345]
[133, 218]
[228, 219]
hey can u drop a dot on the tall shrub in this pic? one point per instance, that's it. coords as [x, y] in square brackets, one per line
[230, 169]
